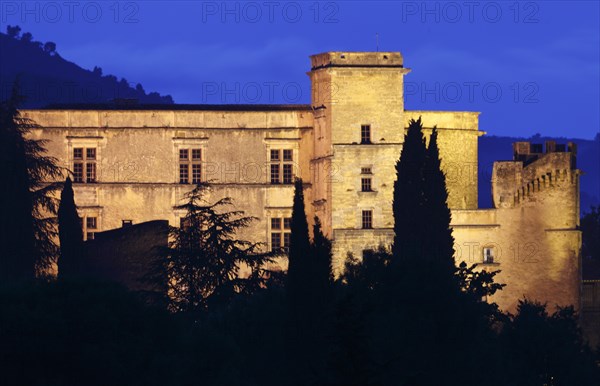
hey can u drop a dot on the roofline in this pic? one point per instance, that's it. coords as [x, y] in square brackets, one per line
[173, 107]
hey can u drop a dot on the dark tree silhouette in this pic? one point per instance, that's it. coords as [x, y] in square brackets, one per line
[50, 47]
[13, 31]
[321, 256]
[26, 230]
[542, 349]
[27, 37]
[409, 200]
[204, 261]
[439, 247]
[300, 249]
[70, 234]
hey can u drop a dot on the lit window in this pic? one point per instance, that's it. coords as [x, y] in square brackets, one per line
[367, 219]
[365, 134]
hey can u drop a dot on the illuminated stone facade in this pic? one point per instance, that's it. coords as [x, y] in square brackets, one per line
[344, 146]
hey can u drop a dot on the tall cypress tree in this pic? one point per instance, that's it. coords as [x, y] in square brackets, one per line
[300, 249]
[440, 249]
[321, 257]
[409, 202]
[70, 234]
[26, 225]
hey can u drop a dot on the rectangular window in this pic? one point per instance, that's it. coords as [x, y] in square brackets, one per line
[183, 154]
[274, 155]
[282, 167]
[90, 228]
[280, 233]
[184, 173]
[275, 241]
[365, 134]
[275, 173]
[84, 167]
[366, 170]
[286, 241]
[91, 222]
[276, 223]
[190, 162]
[196, 173]
[78, 172]
[288, 174]
[488, 255]
[365, 185]
[127, 223]
[90, 173]
[367, 219]
[196, 154]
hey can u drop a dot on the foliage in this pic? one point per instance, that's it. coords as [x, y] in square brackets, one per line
[27, 227]
[542, 349]
[204, 262]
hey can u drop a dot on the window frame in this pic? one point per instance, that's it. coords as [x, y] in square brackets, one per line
[366, 134]
[281, 165]
[367, 219]
[84, 161]
[190, 160]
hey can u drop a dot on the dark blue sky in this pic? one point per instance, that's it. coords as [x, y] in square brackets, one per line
[528, 67]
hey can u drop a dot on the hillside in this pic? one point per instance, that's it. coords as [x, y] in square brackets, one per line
[47, 78]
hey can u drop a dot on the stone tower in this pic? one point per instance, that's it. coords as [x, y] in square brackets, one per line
[358, 133]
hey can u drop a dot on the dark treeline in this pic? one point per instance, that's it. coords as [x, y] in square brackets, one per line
[400, 315]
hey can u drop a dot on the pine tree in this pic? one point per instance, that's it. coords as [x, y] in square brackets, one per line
[70, 234]
[440, 246]
[26, 230]
[204, 259]
[409, 199]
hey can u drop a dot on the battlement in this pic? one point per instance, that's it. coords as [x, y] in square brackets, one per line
[533, 171]
[356, 59]
[528, 152]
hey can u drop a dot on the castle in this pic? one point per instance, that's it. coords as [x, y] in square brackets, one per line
[134, 163]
